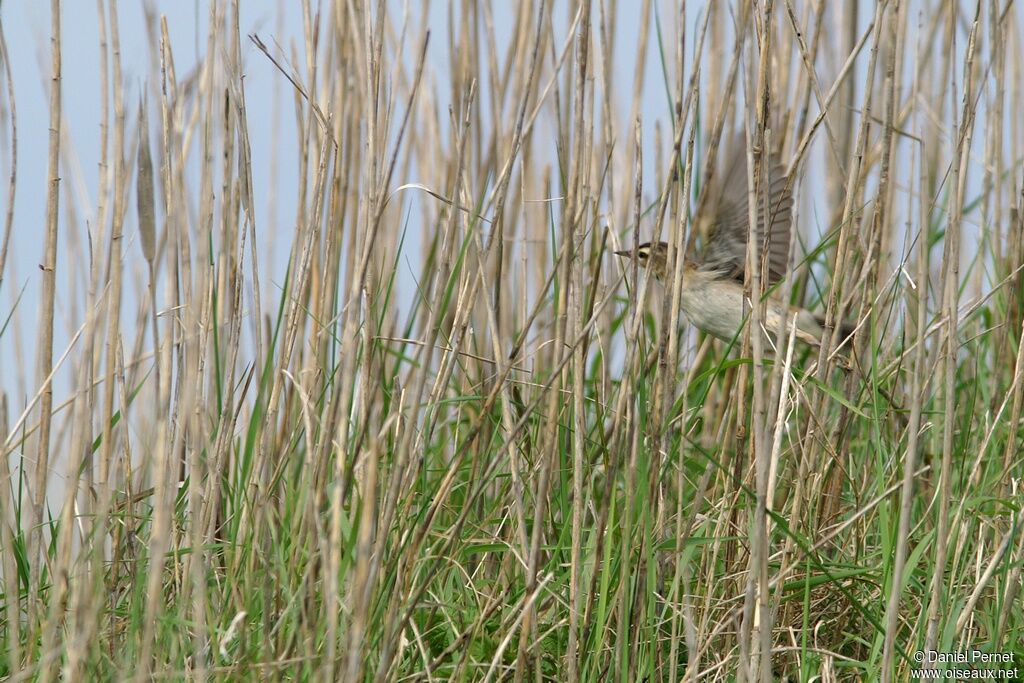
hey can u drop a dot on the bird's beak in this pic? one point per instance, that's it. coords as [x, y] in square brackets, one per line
[625, 252]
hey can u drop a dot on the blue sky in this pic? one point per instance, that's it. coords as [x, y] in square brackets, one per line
[271, 122]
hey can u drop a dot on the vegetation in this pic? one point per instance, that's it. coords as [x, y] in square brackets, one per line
[519, 463]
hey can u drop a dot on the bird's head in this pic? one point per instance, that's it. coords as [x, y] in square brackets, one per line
[650, 255]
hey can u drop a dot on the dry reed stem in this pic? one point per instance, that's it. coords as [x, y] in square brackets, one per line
[449, 445]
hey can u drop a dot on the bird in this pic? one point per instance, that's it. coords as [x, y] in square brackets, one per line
[712, 294]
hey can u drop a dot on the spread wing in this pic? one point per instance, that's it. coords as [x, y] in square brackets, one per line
[727, 245]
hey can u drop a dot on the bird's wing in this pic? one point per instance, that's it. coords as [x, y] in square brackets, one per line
[727, 244]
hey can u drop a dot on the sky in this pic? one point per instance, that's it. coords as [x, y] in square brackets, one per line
[27, 29]
[26, 24]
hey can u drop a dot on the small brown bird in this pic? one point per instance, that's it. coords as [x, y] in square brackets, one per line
[712, 297]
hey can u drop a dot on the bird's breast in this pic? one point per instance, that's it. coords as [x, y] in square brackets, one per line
[715, 306]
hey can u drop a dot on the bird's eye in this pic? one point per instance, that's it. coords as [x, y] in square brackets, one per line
[642, 254]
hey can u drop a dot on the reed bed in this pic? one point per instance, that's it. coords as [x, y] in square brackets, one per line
[454, 438]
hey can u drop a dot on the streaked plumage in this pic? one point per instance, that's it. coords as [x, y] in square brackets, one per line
[727, 245]
[712, 287]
